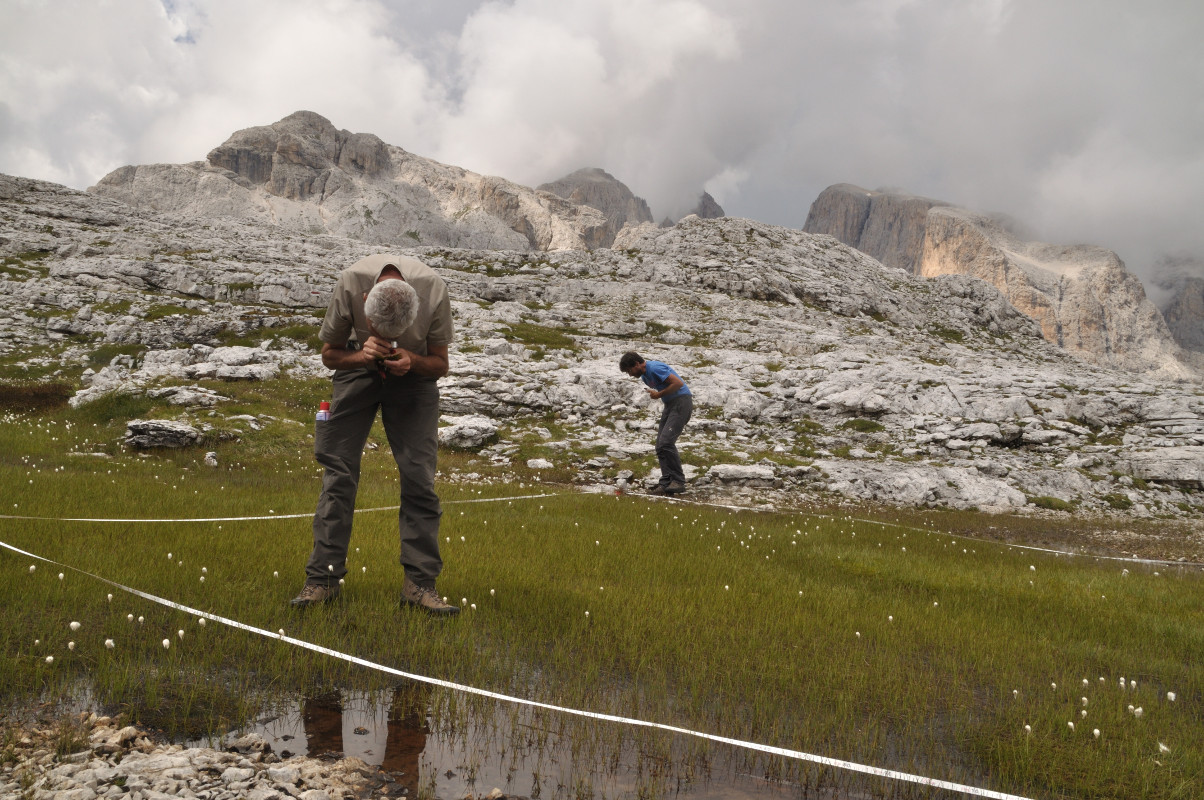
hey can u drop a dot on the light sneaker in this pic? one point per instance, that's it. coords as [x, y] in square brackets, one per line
[425, 598]
[313, 594]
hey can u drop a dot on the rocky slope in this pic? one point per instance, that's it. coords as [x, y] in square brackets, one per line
[818, 372]
[1082, 296]
[305, 176]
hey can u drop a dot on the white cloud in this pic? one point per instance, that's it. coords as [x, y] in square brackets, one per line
[1080, 119]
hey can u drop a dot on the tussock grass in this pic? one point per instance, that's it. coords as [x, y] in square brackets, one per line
[892, 645]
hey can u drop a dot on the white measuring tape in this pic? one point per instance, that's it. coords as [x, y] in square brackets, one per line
[777, 751]
[676, 501]
[267, 516]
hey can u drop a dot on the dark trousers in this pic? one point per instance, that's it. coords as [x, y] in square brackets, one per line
[409, 409]
[674, 417]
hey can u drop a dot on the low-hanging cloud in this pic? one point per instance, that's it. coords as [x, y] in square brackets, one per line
[1080, 120]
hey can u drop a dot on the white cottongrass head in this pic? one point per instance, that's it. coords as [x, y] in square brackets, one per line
[1170, 696]
[201, 622]
[1137, 712]
[49, 659]
[74, 625]
[1070, 725]
[60, 576]
[130, 617]
[109, 644]
[166, 644]
[33, 567]
[70, 645]
[180, 633]
[1163, 748]
[1028, 728]
[1095, 733]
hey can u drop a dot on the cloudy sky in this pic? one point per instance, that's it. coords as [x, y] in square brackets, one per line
[1084, 119]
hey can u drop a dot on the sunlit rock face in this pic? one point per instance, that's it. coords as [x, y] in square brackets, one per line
[303, 174]
[1082, 296]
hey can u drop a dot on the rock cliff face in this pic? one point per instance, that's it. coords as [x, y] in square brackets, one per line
[818, 373]
[884, 225]
[598, 189]
[1082, 296]
[707, 208]
[306, 176]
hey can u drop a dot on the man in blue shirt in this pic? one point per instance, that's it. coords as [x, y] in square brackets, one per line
[665, 384]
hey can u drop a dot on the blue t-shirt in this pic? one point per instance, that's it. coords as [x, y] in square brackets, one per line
[656, 374]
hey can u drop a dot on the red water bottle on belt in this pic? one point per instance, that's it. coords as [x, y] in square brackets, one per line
[323, 411]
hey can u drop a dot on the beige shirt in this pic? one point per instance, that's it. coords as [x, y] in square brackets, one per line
[345, 319]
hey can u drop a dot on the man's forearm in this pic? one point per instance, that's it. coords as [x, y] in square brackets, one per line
[342, 358]
[429, 366]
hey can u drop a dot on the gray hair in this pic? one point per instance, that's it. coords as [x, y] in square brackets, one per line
[391, 307]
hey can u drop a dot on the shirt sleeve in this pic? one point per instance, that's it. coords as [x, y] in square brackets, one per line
[338, 323]
[440, 332]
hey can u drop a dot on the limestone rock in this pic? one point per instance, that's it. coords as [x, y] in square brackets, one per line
[467, 432]
[145, 434]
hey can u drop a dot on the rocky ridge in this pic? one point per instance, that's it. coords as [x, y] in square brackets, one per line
[1082, 296]
[303, 175]
[818, 372]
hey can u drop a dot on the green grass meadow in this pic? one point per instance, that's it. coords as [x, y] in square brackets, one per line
[892, 646]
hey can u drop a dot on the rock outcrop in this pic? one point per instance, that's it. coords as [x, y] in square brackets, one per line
[305, 176]
[1082, 296]
[598, 189]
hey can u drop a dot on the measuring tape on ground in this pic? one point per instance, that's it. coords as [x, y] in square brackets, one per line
[835, 763]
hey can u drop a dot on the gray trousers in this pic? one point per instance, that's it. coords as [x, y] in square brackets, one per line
[409, 409]
[674, 416]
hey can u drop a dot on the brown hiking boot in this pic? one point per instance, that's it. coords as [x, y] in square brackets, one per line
[675, 487]
[425, 598]
[657, 490]
[313, 594]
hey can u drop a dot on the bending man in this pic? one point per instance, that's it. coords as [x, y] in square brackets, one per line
[664, 383]
[386, 333]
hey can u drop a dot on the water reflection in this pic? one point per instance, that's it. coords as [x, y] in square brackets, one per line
[523, 752]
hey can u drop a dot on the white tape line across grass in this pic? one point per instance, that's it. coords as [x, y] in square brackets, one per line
[267, 516]
[1126, 559]
[777, 751]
